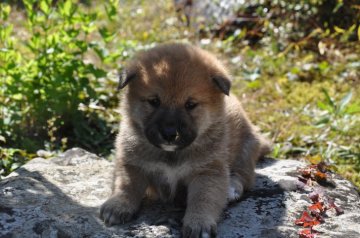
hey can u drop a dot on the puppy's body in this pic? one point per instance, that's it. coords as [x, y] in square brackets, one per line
[179, 130]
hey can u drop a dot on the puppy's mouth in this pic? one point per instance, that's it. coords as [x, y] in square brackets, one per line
[169, 143]
[169, 147]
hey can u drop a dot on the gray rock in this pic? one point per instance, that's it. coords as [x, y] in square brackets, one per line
[60, 197]
[44, 154]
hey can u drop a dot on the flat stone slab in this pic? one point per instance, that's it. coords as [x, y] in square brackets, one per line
[60, 197]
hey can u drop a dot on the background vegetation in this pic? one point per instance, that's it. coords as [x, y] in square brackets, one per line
[295, 66]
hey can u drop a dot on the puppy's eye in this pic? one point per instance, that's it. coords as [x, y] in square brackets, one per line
[190, 105]
[155, 102]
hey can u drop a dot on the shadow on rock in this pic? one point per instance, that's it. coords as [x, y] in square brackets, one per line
[31, 206]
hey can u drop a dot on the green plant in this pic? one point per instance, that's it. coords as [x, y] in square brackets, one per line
[339, 118]
[58, 64]
[11, 159]
[333, 112]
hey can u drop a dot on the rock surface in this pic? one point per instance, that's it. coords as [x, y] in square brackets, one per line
[60, 197]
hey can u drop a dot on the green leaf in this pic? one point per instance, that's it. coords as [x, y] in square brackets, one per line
[5, 33]
[338, 29]
[29, 9]
[323, 106]
[276, 150]
[353, 108]
[17, 96]
[254, 84]
[82, 45]
[100, 52]
[111, 11]
[298, 149]
[323, 121]
[338, 6]
[67, 7]
[323, 66]
[90, 27]
[45, 7]
[73, 33]
[15, 166]
[328, 99]
[106, 34]
[98, 73]
[344, 101]
[5, 10]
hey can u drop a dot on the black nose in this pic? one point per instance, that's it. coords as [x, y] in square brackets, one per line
[169, 133]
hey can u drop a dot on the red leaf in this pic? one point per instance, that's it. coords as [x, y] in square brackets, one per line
[317, 207]
[306, 233]
[305, 217]
[319, 176]
[312, 223]
[306, 220]
[318, 217]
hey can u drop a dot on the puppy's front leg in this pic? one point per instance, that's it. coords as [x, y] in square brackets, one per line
[128, 190]
[207, 197]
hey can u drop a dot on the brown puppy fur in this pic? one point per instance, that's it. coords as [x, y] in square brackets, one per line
[180, 130]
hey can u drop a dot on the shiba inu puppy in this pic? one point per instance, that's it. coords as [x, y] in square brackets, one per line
[181, 128]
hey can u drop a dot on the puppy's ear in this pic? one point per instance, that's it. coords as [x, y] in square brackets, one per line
[125, 77]
[223, 83]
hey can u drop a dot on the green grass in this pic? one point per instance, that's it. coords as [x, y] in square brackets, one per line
[308, 103]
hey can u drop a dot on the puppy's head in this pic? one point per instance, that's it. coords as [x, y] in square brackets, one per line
[175, 94]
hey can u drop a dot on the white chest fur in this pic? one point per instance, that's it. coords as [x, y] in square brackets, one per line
[167, 177]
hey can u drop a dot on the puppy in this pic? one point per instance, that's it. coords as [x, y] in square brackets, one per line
[180, 128]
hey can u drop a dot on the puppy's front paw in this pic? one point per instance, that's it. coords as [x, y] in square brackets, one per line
[199, 230]
[235, 193]
[116, 210]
